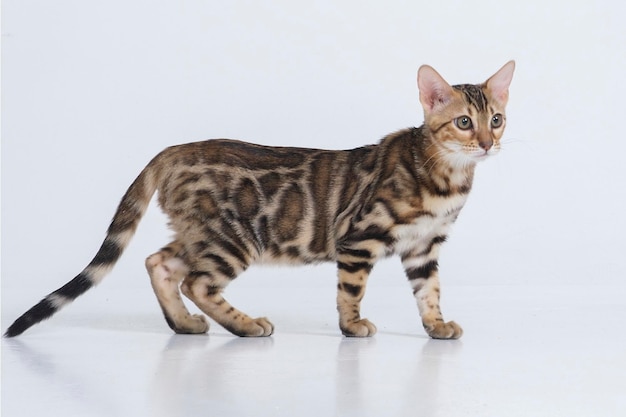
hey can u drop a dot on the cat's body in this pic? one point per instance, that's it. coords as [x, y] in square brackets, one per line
[232, 204]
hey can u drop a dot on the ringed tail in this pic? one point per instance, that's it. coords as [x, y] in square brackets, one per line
[123, 226]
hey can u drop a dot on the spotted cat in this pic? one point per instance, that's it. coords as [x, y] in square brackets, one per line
[232, 204]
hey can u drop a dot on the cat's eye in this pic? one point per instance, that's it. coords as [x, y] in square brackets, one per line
[496, 121]
[463, 122]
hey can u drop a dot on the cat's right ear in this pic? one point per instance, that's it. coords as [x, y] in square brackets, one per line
[499, 83]
[435, 92]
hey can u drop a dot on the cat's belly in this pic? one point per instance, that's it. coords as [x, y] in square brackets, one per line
[292, 255]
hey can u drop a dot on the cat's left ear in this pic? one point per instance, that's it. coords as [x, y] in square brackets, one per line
[498, 83]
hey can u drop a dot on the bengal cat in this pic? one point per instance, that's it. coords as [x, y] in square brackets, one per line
[232, 204]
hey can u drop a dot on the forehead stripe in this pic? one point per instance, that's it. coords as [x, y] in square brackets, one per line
[474, 95]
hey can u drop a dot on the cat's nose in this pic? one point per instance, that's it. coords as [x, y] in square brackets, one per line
[485, 144]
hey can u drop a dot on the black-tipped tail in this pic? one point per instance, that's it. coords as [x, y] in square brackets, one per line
[43, 310]
[123, 226]
[50, 305]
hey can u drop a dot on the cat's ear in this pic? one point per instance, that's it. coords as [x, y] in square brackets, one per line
[435, 92]
[499, 83]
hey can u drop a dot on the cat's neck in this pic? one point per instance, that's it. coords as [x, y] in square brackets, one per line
[442, 170]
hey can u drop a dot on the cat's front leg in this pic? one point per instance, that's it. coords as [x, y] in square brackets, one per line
[422, 272]
[353, 274]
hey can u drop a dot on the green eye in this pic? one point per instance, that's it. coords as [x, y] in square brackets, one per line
[463, 122]
[496, 121]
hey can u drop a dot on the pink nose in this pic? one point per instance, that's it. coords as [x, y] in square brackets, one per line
[485, 144]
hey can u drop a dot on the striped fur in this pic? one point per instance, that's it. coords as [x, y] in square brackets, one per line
[232, 204]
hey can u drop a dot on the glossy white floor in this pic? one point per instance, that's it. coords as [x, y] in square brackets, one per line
[526, 352]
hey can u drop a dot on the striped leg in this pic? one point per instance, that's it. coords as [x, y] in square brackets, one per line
[422, 272]
[205, 290]
[353, 273]
[204, 286]
[166, 273]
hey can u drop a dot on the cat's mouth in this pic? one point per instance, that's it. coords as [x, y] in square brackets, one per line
[478, 155]
[460, 155]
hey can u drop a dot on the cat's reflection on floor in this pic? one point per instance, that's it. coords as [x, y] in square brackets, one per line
[254, 375]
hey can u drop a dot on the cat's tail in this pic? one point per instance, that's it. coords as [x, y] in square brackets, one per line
[129, 212]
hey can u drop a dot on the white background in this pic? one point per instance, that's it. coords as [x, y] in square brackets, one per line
[534, 268]
[92, 90]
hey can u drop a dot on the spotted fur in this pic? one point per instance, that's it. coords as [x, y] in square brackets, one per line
[232, 204]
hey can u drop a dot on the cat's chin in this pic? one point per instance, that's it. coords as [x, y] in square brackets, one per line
[479, 156]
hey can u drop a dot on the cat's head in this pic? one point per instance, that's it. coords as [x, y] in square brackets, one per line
[466, 121]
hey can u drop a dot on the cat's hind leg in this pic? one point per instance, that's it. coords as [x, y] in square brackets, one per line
[166, 273]
[204, 286]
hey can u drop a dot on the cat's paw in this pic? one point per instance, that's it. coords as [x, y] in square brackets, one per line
[199, 323]
[361, 328]
[194, 324]
[259, 327]
[441, 330]
[266, 327]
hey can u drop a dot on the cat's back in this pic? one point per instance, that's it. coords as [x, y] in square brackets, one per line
[238, 154]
